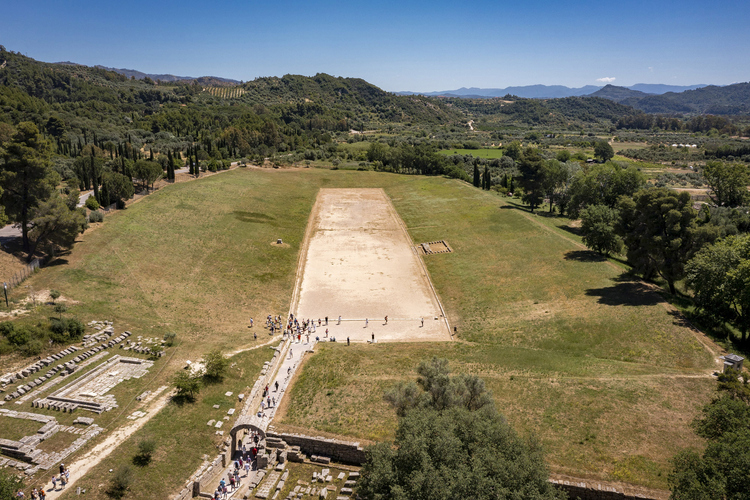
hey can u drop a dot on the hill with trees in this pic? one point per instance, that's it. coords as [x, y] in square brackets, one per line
[712, 100]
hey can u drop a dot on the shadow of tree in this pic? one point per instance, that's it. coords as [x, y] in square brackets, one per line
[585, 256]
[256, 217]
[626, 293]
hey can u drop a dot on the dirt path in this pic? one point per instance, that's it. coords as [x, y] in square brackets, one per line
[80, 467]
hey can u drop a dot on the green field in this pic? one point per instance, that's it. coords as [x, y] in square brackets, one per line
[588, 360]
[479, 153]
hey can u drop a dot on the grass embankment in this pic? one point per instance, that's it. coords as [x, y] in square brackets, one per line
[592, 364]
[585, 358]
[198, 259]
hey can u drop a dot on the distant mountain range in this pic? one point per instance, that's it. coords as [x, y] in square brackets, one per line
[552, 91]
[139, 75]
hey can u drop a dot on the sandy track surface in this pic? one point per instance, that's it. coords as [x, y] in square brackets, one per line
[360, 264]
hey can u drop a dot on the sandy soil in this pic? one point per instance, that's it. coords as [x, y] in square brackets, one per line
[360, 264]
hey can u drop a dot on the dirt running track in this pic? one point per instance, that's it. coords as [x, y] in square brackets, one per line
[359, 263]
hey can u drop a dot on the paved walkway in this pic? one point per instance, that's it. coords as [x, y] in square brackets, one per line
[291, 358]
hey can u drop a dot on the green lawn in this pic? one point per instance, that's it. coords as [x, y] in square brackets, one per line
[588, 360]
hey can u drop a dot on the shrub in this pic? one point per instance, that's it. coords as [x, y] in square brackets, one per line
[54, 294]
[216, 364]
[169, 338]
[186, 385]
[146, 448]
[60, 308]
[96, 216]
[120, 482]
[91, 203]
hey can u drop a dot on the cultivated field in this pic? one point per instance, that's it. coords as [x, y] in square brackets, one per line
[593, 363]
[360, 265]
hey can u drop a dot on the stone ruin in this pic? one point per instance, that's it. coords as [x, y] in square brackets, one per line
[63, 369]
[89, 392]
[24, 454]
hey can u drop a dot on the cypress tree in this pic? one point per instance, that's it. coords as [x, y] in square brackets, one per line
[486, 179]
[510, 188]
[94, 178]
[152, 154]
[476, 176]
[104, 194]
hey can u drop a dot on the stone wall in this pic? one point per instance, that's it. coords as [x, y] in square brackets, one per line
[340, 451]
[577, 489]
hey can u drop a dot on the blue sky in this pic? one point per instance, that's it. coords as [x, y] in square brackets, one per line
[397, 45]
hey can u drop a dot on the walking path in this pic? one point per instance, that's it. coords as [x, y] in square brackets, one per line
[290, 358]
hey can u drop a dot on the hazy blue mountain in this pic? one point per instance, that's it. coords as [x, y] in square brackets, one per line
[528, 91]
[619, 94]
[551, 91]
[139, 75]
[660, 88]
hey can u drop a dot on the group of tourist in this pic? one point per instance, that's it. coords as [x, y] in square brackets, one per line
[243, 462]
[40, 494]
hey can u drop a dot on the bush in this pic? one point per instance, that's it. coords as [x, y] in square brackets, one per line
[96, 216]
[54, 294]
[33, 347]
[216, 364]
[120, 482]
[186, 385]
[146, 448]
[169, 338]
[91, 203]
[65, 330]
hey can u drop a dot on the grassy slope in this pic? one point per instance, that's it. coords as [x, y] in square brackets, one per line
[195, 258]
[595, 368]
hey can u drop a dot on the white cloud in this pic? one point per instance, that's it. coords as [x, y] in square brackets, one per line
[606, 79]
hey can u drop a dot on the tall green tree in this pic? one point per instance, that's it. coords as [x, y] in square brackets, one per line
[659, 231]
[532, 179]
[727, 183]
[719, 276]
[603, 151]
[602, 185]
[447, 447]
[55, 225]
[26, 176]
[95, 177]
[598, 224]
[119, 187]
[721, 473]
[148, 172]
[476, 175]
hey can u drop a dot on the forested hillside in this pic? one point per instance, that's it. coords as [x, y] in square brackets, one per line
[511, 109]
[711, 100]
